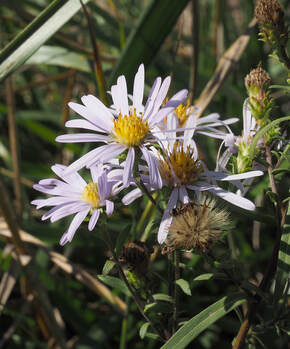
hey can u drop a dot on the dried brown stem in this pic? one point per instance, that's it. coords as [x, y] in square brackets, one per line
[44, 309]
[13, 139]
[195, 49]
[225, 64]
[97, 58]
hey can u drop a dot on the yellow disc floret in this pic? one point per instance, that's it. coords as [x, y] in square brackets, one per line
[91, 195]
[130, 129]
[183, 112]
[186, 169]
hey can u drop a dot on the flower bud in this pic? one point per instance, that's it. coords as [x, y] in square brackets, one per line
[257, 83]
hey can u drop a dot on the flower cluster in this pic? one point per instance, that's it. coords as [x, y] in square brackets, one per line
[152, 144]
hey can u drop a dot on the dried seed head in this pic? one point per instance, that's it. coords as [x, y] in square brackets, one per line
[269, 12]
[258, 78]
[136, 255]
[197, 225]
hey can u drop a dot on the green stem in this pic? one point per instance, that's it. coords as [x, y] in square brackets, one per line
[176, 291]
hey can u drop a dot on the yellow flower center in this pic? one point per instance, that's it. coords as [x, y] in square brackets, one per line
[183, 164]
[91, 195]
[182, 112]
[130, 129]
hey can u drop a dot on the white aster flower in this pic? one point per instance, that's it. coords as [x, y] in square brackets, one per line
[183, 172]
[72, 195]
[233, 143]
[127, 127]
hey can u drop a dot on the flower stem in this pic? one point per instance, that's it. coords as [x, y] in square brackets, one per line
[272, 265]
[138, 302]
[143, 188]
[176, 291]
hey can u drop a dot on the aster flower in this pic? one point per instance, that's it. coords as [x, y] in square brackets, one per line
[124, 127]
[241, 143]
[72, 195]
[182, 171]
[185, 118]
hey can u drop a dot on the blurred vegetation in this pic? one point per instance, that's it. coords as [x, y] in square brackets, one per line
[80, 311]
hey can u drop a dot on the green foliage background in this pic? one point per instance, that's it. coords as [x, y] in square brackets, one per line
[56, 66]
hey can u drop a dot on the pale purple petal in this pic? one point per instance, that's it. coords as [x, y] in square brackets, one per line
[58, 200]
[74, 179]
[76, 222]
[154, 175]
[85, 159]
[128, 168]
[123, 99]
[167, 218]
[132, 196]
[232, 198]
[108, 153]
[174, 102]
[151, 98]
[68, 210]
[246, 119]
[79, 123]
[82, 137]
[109, 207]
[183, 195]
[209, 118]
[103, 115]
[94, 218]
[94, 116]
[161, 94]
[220, 176]
[138, 89]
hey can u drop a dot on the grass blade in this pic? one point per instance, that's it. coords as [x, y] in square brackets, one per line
[192, 328]
[35, 35]
[155, 23]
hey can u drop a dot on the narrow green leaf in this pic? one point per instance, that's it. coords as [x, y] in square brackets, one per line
[192, 328]
[211, 276]
[154, 24]
[59, 56]
[261, 132]
[143, 330]
[162, 297]
[115, 283]
[283, 267]
[184, 285]
[108, 266]
[34, 36]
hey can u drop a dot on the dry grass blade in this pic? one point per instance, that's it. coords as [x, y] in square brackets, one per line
[68, 267]
[44, 310]
[225, 64]
[8, 282]
[13, 144]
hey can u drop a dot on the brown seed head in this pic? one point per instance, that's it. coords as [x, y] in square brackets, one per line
[269, 12]
[258, 78]
[197, 226]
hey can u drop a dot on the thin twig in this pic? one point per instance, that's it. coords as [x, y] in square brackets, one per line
[13, 139]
